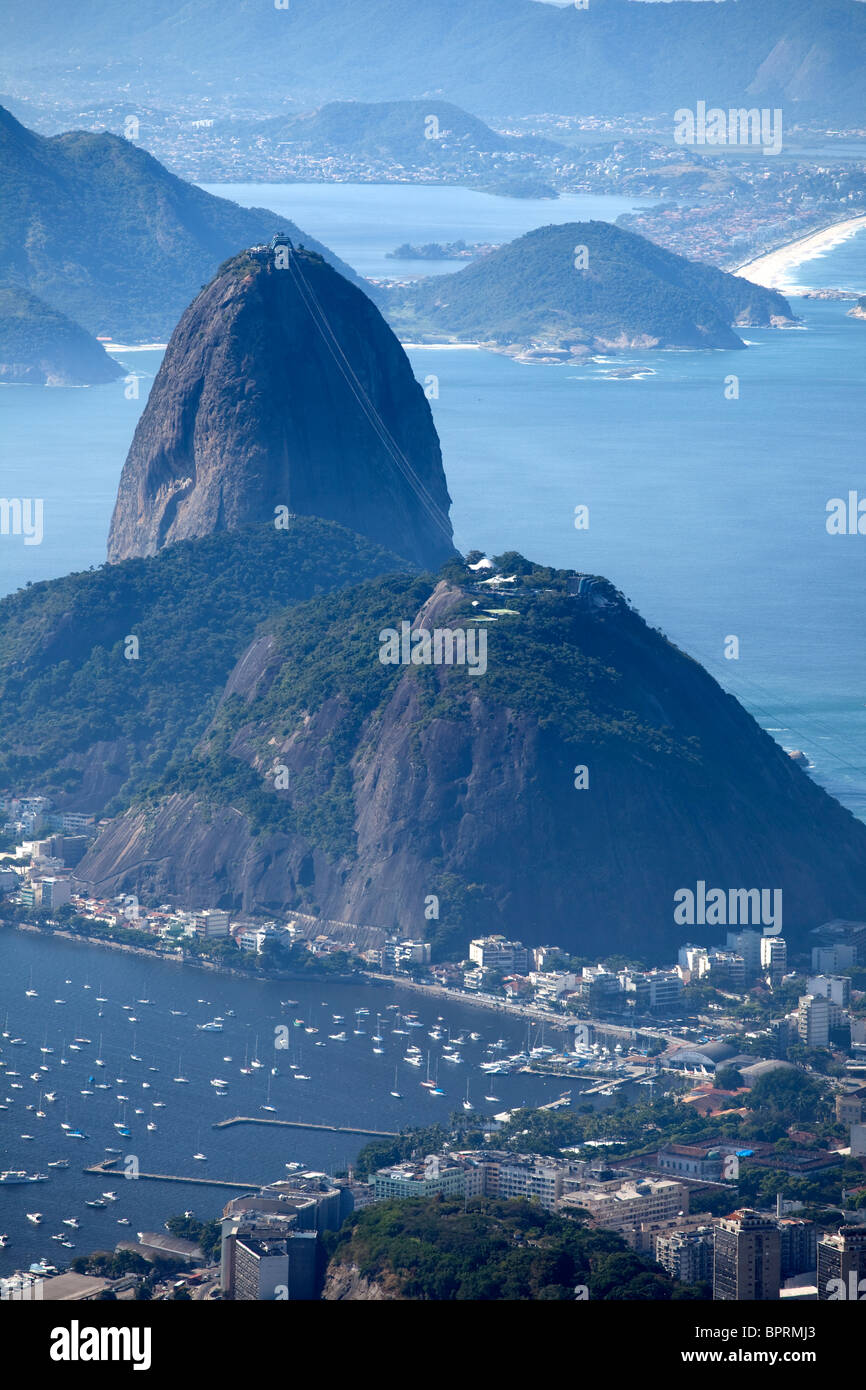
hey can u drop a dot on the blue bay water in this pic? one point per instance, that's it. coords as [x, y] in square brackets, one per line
[348, 1083]
[362, 222]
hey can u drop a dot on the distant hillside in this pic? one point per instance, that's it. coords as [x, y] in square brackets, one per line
[630, 294]
[100, 230]
[406, 131]
[496, 57]
[41, 347]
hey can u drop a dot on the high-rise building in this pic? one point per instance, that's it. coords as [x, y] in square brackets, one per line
[842, 1265]
[774, 957]
[834, 987]
[748, 945]
[687, 1255]
[799, 1241]
[813, 1020]
[281, 1269]
[747, 1258]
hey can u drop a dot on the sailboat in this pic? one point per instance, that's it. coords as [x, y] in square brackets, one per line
[31, 993]
[97, 1061]
[427, 1082]
[270, 1107]
[467, 1104]
[254, 1061]
[246, 1069]
[200, 1157]
[395, 1093]
[180, 1078]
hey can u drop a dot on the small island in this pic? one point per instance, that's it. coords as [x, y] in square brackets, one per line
[442, 251]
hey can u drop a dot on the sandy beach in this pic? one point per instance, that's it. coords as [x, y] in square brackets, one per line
[776, 269]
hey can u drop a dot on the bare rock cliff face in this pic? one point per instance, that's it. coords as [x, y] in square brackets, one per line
[284, 388]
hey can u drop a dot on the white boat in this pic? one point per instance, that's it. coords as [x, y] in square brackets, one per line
[200, 1158]
[217, 1081]
[299, 1076]
[110, 1196]
[73, 1222]
[337, 1037]
[35, 1217]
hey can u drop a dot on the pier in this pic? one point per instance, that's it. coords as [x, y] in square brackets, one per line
[303, 1124]
[106, 1170]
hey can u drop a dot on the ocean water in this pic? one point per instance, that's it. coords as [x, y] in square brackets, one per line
[365, 221]
[348, 1083]
[709, 513]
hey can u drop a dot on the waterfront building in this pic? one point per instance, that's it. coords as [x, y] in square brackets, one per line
[495, 953]
[212, 922]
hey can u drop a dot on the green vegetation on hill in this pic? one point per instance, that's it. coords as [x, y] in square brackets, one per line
[101, 230]
[67, 688]
[628, 291]
[554, 661]
[441, 1250]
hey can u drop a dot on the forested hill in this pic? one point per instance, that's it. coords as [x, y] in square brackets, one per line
[586, 285]
[440, 1250]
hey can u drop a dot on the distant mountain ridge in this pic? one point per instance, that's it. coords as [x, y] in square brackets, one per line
[492, 56]
[104, 233]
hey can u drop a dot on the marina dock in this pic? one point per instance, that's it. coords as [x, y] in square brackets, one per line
[302, 1124]
[106, 1170]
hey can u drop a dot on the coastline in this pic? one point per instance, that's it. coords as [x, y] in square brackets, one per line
[774, 270]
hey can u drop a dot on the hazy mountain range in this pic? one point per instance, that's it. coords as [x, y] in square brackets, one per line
[493, 56]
